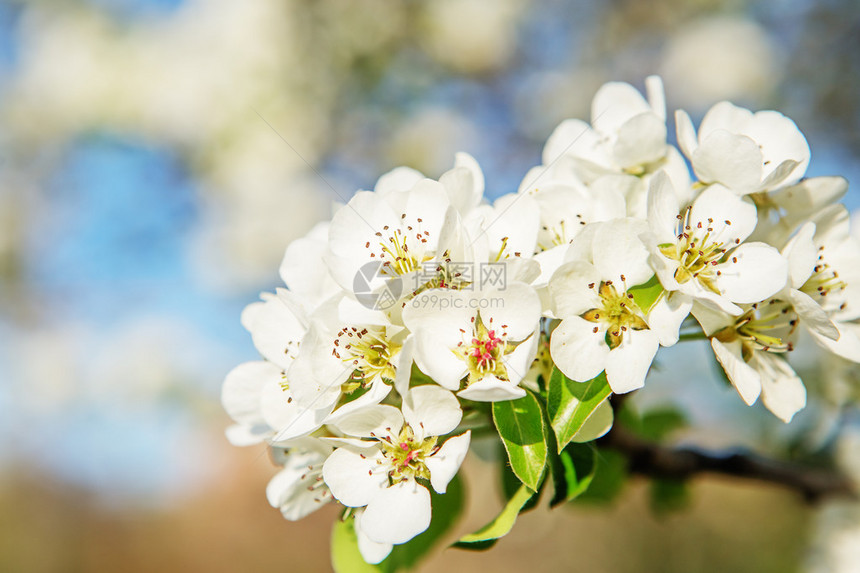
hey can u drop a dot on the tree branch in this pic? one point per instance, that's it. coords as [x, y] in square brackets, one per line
[654, 460]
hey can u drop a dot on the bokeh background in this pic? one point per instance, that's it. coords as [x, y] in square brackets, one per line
[157, 156]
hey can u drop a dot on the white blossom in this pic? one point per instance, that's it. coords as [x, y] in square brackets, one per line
[751, 348]
[489, 350]
[379, 471]
[744, 151]
[699, 253]
[602, 327]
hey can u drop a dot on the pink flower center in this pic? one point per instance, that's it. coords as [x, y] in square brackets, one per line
[484, 350]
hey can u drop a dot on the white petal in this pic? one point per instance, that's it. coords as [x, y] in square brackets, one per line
[628, 364]
[731, 159]
[433, 409]
[288, 489]
[711, 319]
[281, 486]
[274, 328]
[315, 375]
[572, 137]
[809, 196]
[371, 551]
[724, 115]
[524, 270]
[607, 197]
[436, 317]
[517, 306]
[754, 272]
[550, 261]
[744, 377]
[656, 95]
[619, 251]
[614, 104]
[833, 225]
[397, 513]
[354, 480]
[730, 216]
[534, 178]
[287, 417]
[641, 140]
[491, 389]
[779, 175]
[463, 159]
[428, 200]
[686, 133]
[303, 504]
[676, 167]
[379, 420]
[352, 227]
[812, 315]
[242, 388]
[445, 463]
[582, 246]
[303, 269]
[515, 309]
[569, 289]
[780, 140]
[354, 311]
[515, 219]
[801, 254]
[398, 179]
[439, 362]
[663, 208]
[848, 344]
[518, 363]
[596, 425]
[356, 445]
[404, 361]
[375, 394]
[665, 269]
[782, 391]
[439, 314]
[666, 316]
[462, 191]
[577, 350]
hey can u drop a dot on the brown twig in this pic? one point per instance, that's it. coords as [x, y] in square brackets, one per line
[655, 460]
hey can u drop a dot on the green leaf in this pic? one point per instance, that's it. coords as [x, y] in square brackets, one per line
[610, 475]
[487, 536]
[521, 427]
[569, 404]
[646, 294]
[447, 508]
[572, 472]
[345, 557]
[511, 484]
[596, 425]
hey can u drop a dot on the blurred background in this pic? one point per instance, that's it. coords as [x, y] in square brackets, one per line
[156, 158]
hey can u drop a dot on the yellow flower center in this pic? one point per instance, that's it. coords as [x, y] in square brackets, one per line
[618, 311]
[369, 352]
[697, 252]
[406, 454]
[764, 326]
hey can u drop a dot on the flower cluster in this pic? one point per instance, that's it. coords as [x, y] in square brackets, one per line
[420, 300]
